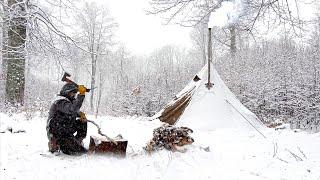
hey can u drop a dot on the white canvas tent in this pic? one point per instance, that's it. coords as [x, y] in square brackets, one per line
[201, 108]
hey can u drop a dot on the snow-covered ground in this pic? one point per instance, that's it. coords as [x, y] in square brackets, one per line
[216, 154]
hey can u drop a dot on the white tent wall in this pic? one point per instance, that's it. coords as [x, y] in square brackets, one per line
[215, 108]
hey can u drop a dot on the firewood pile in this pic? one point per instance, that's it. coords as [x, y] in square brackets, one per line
[169, 137]
[275, 124]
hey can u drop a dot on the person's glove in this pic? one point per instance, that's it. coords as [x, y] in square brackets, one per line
[83, 117]
[82, 90]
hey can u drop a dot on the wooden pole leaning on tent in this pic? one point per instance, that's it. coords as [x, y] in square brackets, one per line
[209, 84]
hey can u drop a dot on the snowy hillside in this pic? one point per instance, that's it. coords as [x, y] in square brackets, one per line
[219, 154]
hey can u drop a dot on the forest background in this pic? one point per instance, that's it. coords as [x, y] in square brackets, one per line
[268, 56]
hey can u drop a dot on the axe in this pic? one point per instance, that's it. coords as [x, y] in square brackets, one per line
[66, 79]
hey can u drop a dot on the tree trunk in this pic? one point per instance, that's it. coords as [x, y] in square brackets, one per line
[121, 63]
[100, 93]
[4, 37]
[233, 48]
[15, 82]
[93, 79]
[204, 54]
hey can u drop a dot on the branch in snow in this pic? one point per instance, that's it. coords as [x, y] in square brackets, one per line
[294, 155]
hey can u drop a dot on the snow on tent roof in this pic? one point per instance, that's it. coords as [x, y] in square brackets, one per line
[199, 108]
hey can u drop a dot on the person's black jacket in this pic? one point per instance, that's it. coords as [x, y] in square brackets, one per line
[62, 116]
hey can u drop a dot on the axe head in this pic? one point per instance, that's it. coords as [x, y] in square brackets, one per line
[65, 77]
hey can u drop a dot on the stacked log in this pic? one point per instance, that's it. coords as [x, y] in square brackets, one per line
[169, 137]
[102, 145]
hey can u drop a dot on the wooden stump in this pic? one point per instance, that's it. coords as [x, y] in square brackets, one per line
[101, 145]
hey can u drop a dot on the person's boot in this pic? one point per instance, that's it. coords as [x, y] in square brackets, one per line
[81, 149]
[53, 145]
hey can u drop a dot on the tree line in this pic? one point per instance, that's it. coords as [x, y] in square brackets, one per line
[275, 78]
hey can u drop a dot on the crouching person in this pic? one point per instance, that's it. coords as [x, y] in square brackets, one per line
[66, 125]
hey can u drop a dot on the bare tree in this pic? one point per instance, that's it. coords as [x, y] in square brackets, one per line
[192, 13]
[200, 40]
[15, 33]
[97, 35]
[27, 30]
[4, 32]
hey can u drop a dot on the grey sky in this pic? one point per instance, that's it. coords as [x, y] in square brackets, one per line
[143, 33]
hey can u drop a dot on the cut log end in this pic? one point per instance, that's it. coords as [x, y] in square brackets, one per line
[101, 145]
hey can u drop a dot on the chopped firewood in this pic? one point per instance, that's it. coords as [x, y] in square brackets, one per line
[169, 137]
[102, 145]
[275, 124]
